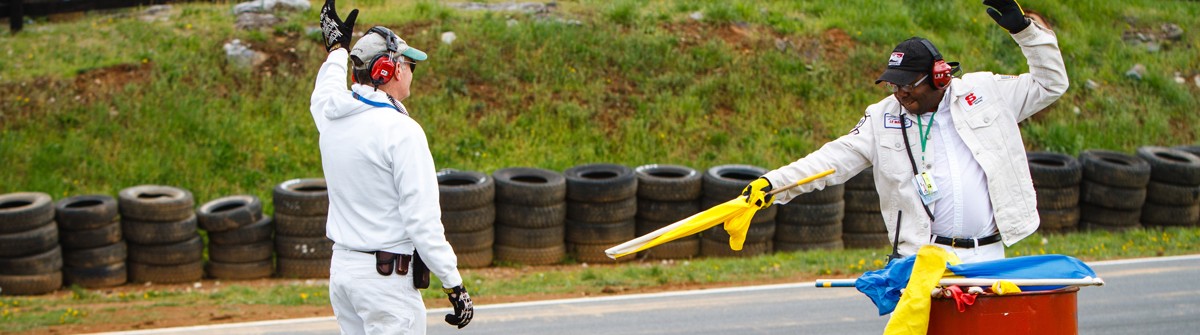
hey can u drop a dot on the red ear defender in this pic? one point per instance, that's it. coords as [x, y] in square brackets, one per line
[941, 71]
[382, 70]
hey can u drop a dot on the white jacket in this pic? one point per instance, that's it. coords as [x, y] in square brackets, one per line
[986, 109]
[383, 190]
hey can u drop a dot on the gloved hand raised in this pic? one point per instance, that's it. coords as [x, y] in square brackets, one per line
[1008, 14]
[756, 193]
[464, 310]
[336, 33]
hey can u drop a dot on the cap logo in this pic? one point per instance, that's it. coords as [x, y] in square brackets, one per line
[896, 58]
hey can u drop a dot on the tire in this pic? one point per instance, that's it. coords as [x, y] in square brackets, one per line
[710, 248]
[530, 216]
[594, 253]
[1054, 170]
[1174, 195]
[529, 186]
[1191, 149]
[462, 190]
[866, 240]
[619, 210]
[167, 254]
[308, 226]
[1171, 166]
[758, 233]
[24, 211]
[763, 215]
[41, 263]
[1092, 226]
[259, 231]
[812, 214]
[864, 180]
[85, 212]
[91, 238]
[302, 268]
[100, 276]
[791, 247]
[863, 223]
[806, 234]
[156, 203]
[1057, 198]
[1109, 217]
[297, 247]
[472, 241]
[831, 194]
[1058, 219]
[1111, 197]
[667, 183]
[96, 257]
[30, 284]
[150, 232]
[1115, 169]
[475, 259]
[530, 256]
[677, 249]
[29, 242]
[239, 271]
[241, 253]
[165, 274]
[611, 233]
[728, 181]
[229, 213]
[469, 220]
[666, 210]
[600, 182]
[532, 238]
[302, 197]
[1162, 215]
[862, 201]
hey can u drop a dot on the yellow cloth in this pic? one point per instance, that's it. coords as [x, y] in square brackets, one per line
[912, 312]
[1002, 287]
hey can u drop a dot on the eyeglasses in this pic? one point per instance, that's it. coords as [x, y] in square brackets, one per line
[412, 66]
[906, 88]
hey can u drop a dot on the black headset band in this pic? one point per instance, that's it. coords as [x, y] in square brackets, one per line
[936, 55]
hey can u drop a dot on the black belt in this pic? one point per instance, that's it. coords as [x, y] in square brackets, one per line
[966, 242]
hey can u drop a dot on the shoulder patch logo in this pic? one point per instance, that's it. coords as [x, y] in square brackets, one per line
[861, 121]
[896, 58]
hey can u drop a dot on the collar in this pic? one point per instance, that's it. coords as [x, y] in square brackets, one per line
[376, 98]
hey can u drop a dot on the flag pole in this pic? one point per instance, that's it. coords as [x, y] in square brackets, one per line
[1085, 281]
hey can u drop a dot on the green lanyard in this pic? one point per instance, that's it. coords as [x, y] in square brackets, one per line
[924, 131]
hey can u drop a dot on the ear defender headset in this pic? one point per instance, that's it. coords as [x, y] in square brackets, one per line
[382, 68]
[942, 72]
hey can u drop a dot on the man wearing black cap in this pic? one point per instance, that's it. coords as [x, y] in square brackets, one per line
[950, 164]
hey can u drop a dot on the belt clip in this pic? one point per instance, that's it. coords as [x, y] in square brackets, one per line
[976, 242]
[953, 242]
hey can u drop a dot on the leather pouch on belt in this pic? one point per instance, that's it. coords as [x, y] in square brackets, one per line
[386, 262]
[420, 272]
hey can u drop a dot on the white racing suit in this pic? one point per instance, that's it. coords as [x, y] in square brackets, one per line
[986, 109]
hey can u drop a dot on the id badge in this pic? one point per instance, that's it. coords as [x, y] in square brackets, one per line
[926, 187]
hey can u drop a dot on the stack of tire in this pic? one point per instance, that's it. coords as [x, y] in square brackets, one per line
[1172, 197]
[1056, 179]
[812, 221]
[301, 210]
[468, 215]
[94, 251]
[665, 195]
[240, 245]
[159, 224]
[1112, 191]
[531, 212]
[30, 257]
[601, 206]
[720, 184]
[863, 227]
[1194, 150]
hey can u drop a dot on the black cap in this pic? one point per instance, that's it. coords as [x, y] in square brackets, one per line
[909, 61]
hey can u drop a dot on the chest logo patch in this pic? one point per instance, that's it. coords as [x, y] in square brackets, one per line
[896, 122]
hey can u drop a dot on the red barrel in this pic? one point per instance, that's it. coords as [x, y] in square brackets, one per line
[1043, 312]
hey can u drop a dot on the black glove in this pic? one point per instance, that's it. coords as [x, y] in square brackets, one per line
[464, 310]
[336, 32]
[756, 193]
[1008, 14]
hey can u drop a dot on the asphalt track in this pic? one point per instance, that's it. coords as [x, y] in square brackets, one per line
[1141, 296]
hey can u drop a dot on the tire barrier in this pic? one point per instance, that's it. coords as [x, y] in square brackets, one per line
[1173, 193]
[862, 224]
[159, 226]
[31, 259]
[812, 221]
[1107, 175]
[238, 249]
[301, 248]
[94, 251]
[665, 195]
[718, 185]
[529, 201]
[1056, 181]
[601, 206]
[469, 215]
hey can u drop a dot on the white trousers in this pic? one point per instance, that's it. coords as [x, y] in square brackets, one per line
[365, 302]
[983, 253]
